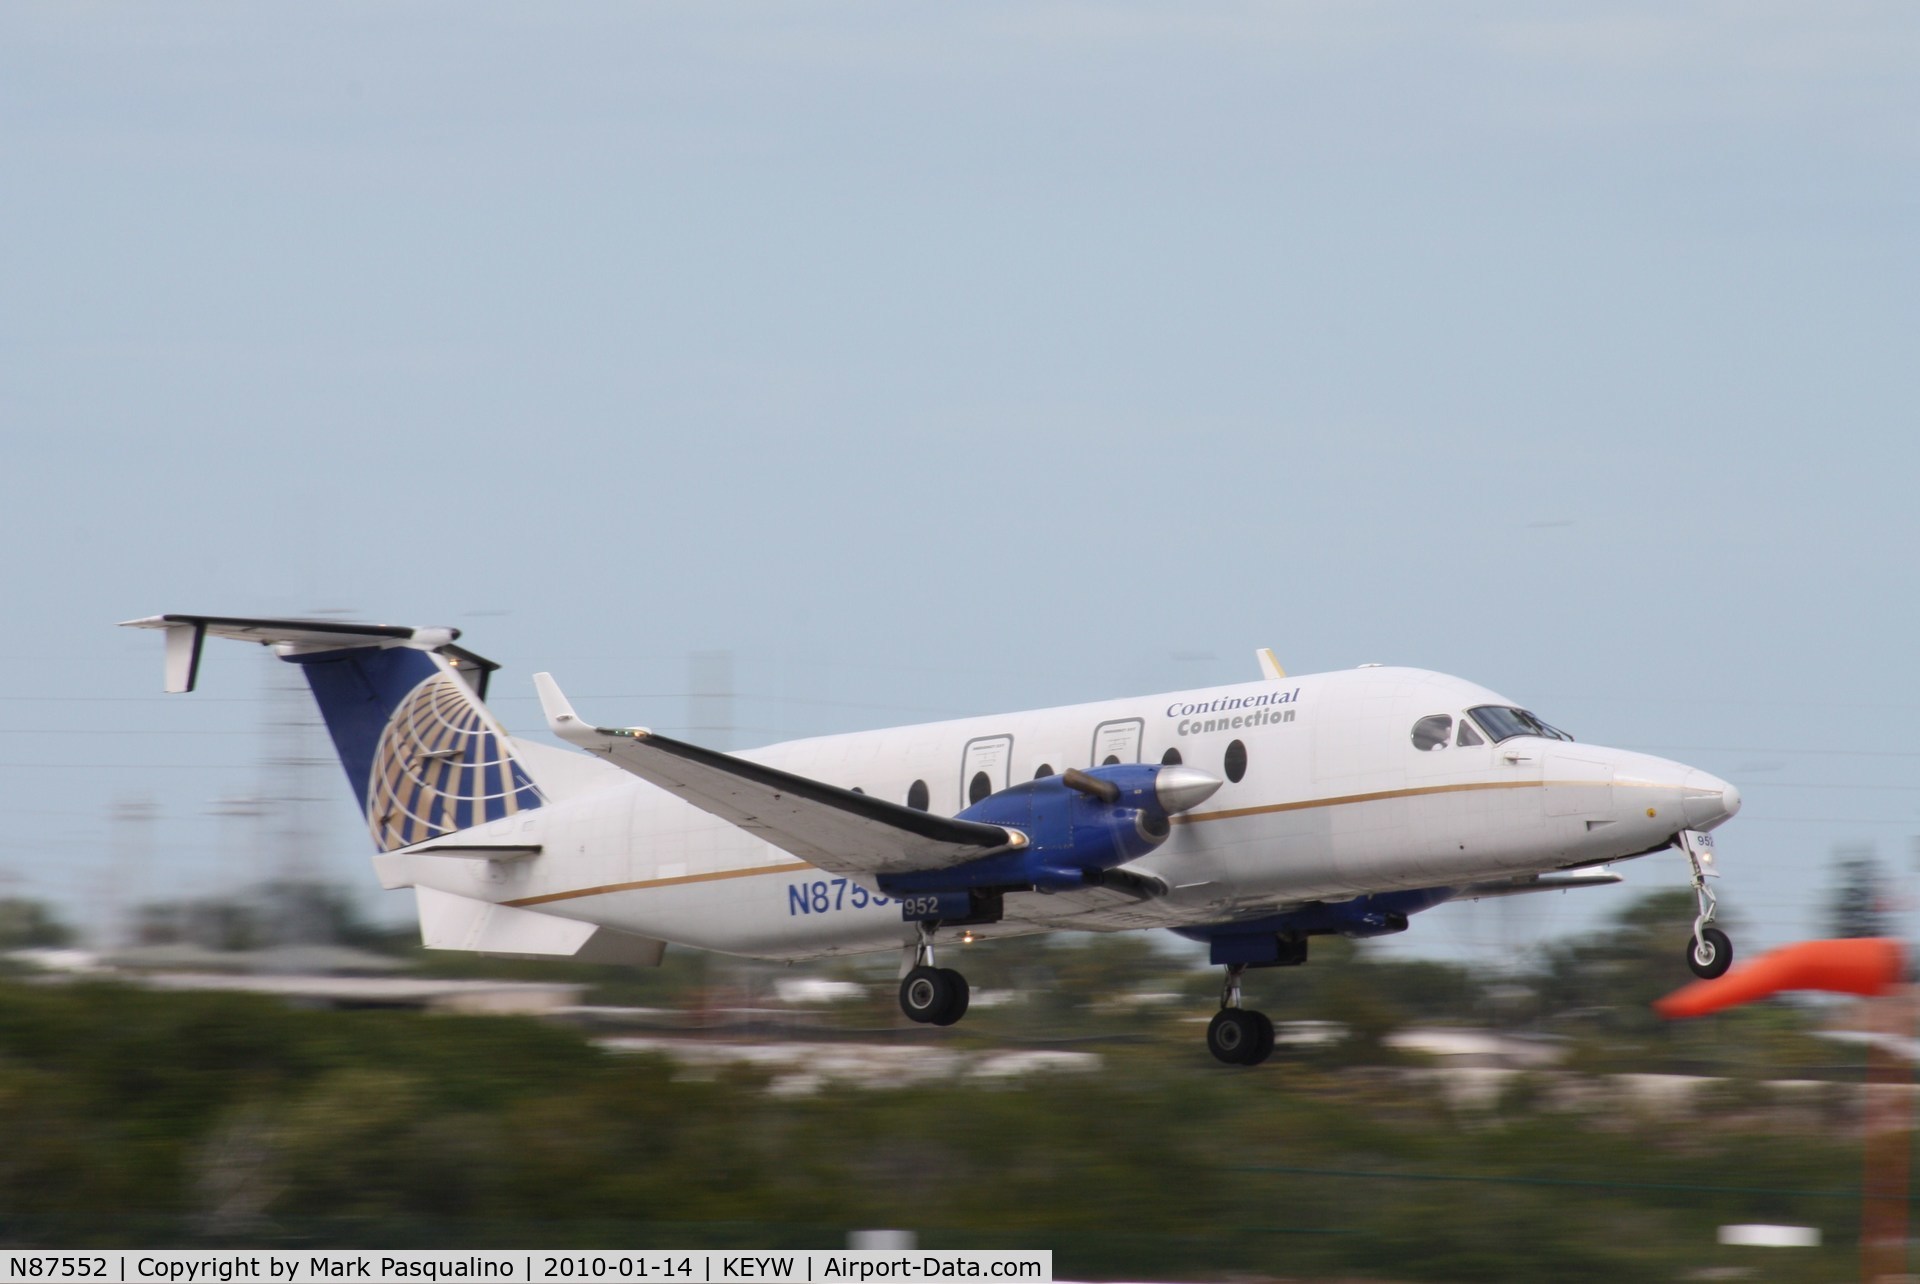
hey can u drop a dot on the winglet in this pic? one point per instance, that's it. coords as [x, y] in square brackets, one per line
[1269, 664]
[565, 723]
[561, 719]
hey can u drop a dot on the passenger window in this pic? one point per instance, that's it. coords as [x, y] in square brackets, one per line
[1111, 760]
[1171, 758]
[858, 790]
[979, 787]
[917, 795]
[1468, 736]
[1236, 761]
[1431, 733]
[1044, 770]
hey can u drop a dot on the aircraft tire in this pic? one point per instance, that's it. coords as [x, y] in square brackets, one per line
[1263, 1044]
[926, 993]
[960, 995]
[1711, 954]
[1233, 1036]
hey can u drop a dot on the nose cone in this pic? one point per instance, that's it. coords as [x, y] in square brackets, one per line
[1179, 788]
[1707, 800]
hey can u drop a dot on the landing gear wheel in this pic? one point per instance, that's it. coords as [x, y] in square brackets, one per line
[1227, 1035]
[960, 994]
[925, 993]
[1710, 954]
[1264, 1048]
[934, 995]
[1239, 1037]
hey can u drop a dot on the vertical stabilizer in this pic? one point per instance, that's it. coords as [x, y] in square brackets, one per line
[424, 756]
[403, 705]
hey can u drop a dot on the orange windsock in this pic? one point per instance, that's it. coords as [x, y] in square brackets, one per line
[1867, 965]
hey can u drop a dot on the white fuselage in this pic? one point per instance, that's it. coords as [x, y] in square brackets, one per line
[1334, 801]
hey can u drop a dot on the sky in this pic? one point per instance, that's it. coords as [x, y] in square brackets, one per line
[945, 359]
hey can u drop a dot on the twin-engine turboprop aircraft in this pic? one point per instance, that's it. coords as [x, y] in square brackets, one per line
[1251, 817]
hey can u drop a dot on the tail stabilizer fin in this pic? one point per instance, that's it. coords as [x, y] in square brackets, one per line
[404, 707]
[186, 634]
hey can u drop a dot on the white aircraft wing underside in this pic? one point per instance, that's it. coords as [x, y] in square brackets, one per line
[1097, 910]
[836, 829]
[1552, 881]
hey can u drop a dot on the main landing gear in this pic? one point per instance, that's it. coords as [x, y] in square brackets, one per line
[1236, 1035]
[1709, 952]
[928, 994]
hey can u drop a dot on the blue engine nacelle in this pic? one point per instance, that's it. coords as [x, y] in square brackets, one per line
[1077, 826]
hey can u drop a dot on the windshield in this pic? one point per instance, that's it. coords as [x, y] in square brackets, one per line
[1504, 724]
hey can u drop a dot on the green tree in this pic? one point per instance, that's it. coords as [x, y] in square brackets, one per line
[28, 924]
[280, 912]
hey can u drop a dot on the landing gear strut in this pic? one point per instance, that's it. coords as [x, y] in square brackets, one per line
[931, 995]
[1238, 1036]
[1709, 953]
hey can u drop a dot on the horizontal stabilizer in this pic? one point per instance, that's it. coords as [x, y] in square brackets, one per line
[449, 922]
[833, 828]
[187, 633]
[477, 851]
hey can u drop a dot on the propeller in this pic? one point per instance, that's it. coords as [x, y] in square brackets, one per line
[1176, 788]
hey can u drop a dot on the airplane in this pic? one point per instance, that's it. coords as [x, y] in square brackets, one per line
[1250, 817]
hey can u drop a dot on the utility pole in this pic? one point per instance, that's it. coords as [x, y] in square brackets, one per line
[710, 723]
[131, 850]
[288, 794]
[710, 699]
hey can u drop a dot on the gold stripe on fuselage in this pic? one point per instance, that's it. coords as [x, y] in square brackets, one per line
[1229, 814]
[660, 882]
[1267, 809]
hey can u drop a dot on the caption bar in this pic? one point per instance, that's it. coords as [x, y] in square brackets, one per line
[813, 1266]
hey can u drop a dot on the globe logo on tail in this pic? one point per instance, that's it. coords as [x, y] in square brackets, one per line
[441, 766]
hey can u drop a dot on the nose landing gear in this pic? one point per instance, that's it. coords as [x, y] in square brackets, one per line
[1710, 952]
[1238, 1036]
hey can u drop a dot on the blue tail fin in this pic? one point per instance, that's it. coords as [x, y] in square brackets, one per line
[424, 756]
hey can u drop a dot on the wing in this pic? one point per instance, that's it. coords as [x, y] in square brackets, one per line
[834, 828]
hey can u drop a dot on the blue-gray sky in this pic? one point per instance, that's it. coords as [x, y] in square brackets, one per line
[949, 358]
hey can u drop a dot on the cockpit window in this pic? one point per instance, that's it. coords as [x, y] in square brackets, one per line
[1431, 732]
[1504, 724]
[1468, 736]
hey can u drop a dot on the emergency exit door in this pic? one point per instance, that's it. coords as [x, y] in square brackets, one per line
[1117, 741]
[983, 767]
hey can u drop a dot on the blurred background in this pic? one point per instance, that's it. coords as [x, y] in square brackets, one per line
[766, 372]
[272, 1071]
